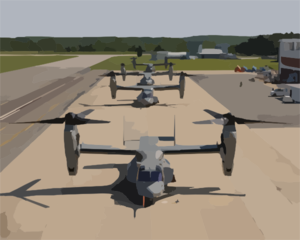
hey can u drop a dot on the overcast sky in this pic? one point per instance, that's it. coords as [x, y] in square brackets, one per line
[143, 18]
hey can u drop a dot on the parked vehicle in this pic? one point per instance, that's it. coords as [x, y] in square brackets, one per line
[277, 92]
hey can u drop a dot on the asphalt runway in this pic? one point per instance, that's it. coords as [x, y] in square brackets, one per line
[39, 200]
[18, 83]
[40, 91]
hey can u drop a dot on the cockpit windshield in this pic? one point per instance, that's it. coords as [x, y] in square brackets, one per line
[147, 94]
[147, 176]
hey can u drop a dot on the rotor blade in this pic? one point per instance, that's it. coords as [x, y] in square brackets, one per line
[84, 113]
[188, 75]
[214, 114]
[247, 121]
[110, 74]
[96, 121]
[108, 105]
[132, 73]
[159, 64]
[184, 74]
[49, 121]
[219, 121]
[204, 122]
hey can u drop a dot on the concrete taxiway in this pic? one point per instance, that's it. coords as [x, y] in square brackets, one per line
[39, 200]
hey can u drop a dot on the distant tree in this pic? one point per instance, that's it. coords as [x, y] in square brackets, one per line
[109, 49]
[5, 44]
[68, 49]
[73, 49]
[121, 45]
[88, 48]
[99, 46]
[231, 49]
[193, 46]
[33, 46]
[139, 51]
[47, 44]
[19, 46]
[158, 48]
[208, 44]
[182, 47]
[60, 48]
[132, 49]
[258, 46]
[149, 46]
[118, 45]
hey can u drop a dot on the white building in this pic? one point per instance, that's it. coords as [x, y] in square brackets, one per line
[211, 53]
[289, 60]
[160, 55]
[289, 67]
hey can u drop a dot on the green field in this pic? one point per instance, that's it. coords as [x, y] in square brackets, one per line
[11, 63]
[197, 64]
[61, 53]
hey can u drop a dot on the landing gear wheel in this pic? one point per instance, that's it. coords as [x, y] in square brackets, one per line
[147, 202]
[181, 87]
[174, 179]
[113, 88]
[170, 73]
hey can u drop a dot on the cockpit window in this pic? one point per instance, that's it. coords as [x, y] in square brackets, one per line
[147, 94]
[147, 176]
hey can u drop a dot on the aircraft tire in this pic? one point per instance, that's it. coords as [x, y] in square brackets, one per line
[147, 202]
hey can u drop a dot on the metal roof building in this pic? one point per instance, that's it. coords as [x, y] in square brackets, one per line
[210, 53]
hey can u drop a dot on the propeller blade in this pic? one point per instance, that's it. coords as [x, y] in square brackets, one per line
[77, 120]
[110, 74]
[183, 74]
[96, 121]
[214, 114]
[85, 113]
[71, 119]
[215, 121]
[188, 75]
[204, 122]
[49, 121]
[132, 73]
[247, 121]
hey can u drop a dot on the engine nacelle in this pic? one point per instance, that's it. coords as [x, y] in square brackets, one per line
[181, 86]
[72, 148]
[227, 149]
[123, 71]
[171, 73]
[113, 87]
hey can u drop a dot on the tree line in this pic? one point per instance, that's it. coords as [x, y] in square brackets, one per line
[90, 44]
[25, 44]
[262, 45]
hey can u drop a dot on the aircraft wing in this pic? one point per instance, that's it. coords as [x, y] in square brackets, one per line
[134, 87]
[104, 149]
[165, 87]
[159, 64]
[160, 73]
[185, 149]
[145, 87]
[134, 73]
